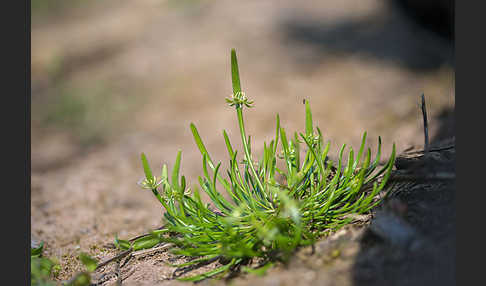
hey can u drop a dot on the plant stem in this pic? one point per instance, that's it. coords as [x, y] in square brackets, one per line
[245, 147]
[161, 200]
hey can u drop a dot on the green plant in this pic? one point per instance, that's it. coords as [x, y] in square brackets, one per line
[41, 268]
[264, 217]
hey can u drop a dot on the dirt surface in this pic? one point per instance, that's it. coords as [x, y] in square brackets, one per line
[113, 79]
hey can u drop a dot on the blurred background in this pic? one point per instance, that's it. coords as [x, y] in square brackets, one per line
[112, 79]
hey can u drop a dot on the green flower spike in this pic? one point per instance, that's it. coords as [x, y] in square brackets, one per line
[238, 98]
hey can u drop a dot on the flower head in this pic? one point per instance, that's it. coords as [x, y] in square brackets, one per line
[239, 99]
[149, 183]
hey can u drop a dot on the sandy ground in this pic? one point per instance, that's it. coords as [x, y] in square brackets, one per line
[112, 80]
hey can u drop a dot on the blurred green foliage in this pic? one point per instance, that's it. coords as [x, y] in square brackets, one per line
[90, 113]
[42, 268]
[50, 7]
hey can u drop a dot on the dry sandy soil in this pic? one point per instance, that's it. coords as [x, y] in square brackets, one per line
[111, 80]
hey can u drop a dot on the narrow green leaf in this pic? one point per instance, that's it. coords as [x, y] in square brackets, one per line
[297, 150]
[285, 143]
[146, 242]
[183, 184]
[235, 74]
[277, 133]
[360, 152]
[165, 173]
[199, 142]
[175, 171]
[309, 130]
[216, 174]
[228, 144]
[146, 168]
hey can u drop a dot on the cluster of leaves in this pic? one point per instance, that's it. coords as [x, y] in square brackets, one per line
[263, 216]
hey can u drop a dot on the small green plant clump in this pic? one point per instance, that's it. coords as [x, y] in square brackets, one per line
[43, 269]
[269, 211]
